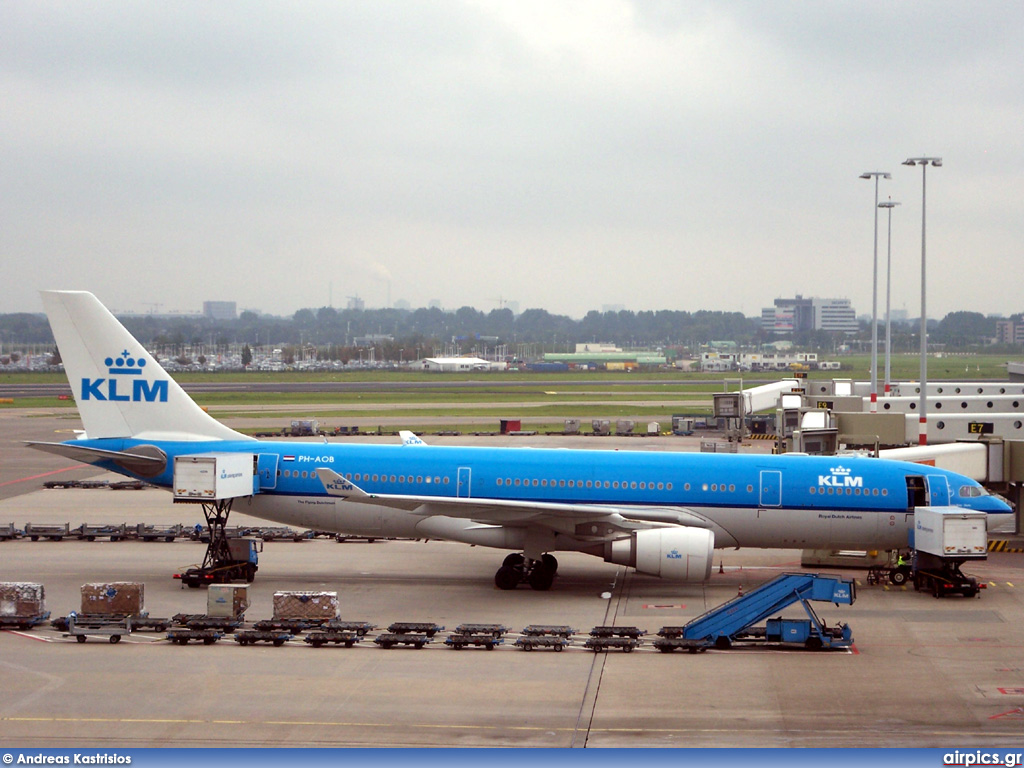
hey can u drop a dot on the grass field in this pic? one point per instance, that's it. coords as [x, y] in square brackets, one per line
[476, 402]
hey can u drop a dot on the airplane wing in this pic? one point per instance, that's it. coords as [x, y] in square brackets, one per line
[575, 517]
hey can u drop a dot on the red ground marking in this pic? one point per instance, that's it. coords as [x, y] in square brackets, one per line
[44, 474]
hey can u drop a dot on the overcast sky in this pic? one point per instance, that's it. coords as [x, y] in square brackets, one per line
[564, 155]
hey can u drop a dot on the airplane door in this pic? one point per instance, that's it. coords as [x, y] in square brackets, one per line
[462, 486]
[771, 488]
[938, 491]
[266, 467]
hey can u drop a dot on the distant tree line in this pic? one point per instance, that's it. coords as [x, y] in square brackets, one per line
[424, 331]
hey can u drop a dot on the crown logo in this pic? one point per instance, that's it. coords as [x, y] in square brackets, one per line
[840, 470]
[124, 365]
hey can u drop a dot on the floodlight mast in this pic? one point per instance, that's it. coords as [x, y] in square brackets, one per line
[874, 295]
[924, 162]
[888, 205]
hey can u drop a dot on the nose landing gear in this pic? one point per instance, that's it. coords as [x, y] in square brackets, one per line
[516, 568]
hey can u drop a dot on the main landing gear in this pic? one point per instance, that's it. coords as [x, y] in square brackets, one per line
[539, 574]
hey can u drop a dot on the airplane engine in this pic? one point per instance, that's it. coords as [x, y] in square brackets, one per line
[678, 554]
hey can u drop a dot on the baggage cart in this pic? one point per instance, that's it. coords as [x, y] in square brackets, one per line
[322, 637]
[277, 638]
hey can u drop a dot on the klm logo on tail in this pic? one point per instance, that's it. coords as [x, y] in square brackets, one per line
[121, 386]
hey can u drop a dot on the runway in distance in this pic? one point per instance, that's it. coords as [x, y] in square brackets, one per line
[660, 512]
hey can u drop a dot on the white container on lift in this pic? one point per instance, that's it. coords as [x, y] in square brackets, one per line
[214, 476]
[951, 532]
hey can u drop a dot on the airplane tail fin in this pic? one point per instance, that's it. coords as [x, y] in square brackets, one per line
[119, 388]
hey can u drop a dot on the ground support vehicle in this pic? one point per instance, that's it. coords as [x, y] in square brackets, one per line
[539, 630]
[358, 627]
[185, 636]
[420, 627]
[735, 620]
[226, 560]
[494, 630]
[391, 639]
[530, 642]
[201, 621]
[153, 532]
[92, 532]
[633, 632]
[113, 628]
[252, 636]
[941, 576]
[461, 640]
[9, 532]
[944, 539]
[52, 531]
[607, 643]
[321, 637]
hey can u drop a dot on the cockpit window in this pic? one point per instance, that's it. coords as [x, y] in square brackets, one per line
[970, 491]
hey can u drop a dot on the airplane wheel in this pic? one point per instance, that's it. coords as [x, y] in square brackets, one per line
[514, 560]
[541, 578]
[506, 578]
[549, 562]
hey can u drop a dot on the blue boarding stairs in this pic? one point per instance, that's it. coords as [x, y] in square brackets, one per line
[735, 620]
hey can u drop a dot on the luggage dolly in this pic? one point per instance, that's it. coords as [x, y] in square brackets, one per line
[320, 637]
[461, 640]
[113, 629]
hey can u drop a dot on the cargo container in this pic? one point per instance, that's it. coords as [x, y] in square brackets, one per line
[214, 476]
[951, 532]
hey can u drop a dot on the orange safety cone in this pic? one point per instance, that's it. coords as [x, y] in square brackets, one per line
[739, 592]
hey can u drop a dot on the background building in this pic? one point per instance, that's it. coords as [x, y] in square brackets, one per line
[1009, 332]
[798, 315]
[220, 310]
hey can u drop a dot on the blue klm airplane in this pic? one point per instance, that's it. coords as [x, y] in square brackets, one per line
[662, 513]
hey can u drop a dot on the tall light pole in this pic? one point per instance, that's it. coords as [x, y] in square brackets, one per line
[924, 162]
[874, 295]
[888, 205]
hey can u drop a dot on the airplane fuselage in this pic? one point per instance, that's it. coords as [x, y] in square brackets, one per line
[746, 500]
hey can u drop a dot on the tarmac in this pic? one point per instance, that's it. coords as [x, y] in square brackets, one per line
[923, 672]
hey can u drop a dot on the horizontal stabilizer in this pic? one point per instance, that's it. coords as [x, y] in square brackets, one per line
[88, 455]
